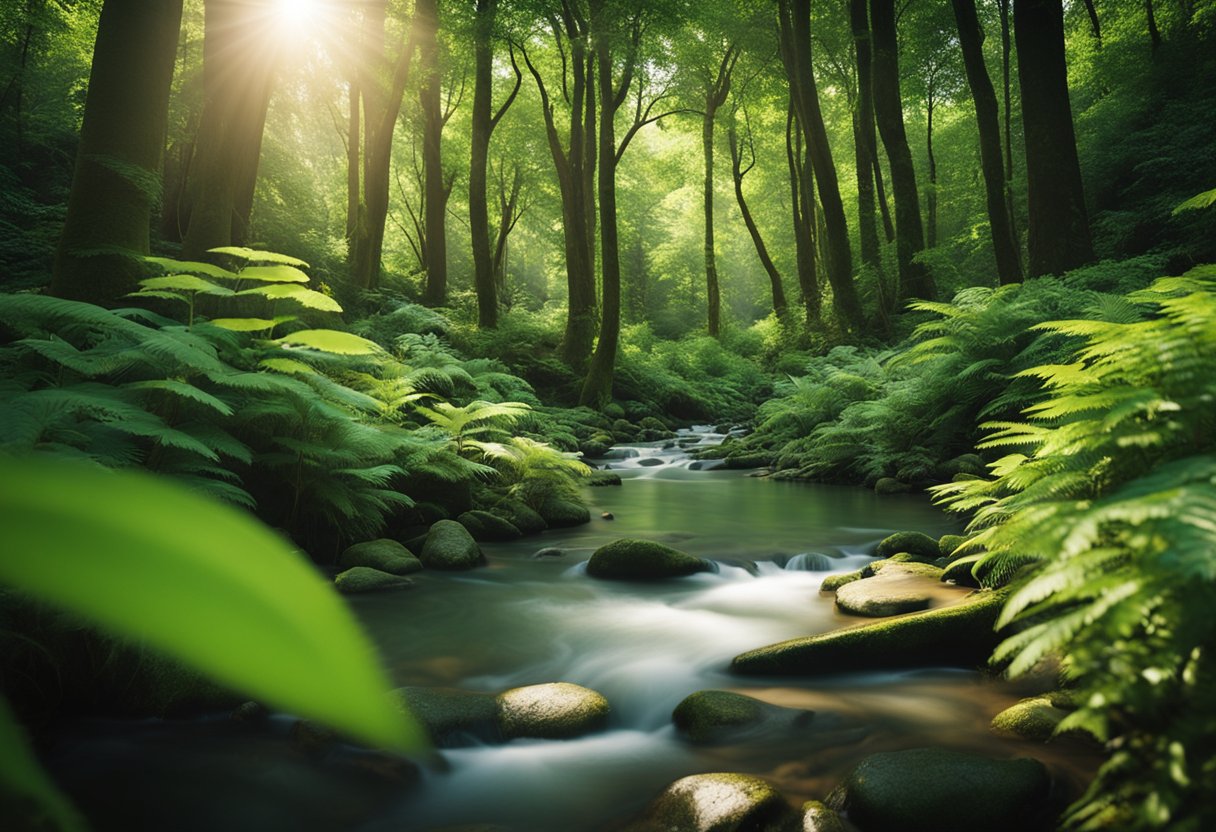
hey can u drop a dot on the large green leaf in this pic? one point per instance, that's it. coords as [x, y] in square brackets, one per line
[297, 293]
[192, 267]
[280, 273]
[185, 283]
[199, 580]
[252, 255]
[243, 324]
[331, 340]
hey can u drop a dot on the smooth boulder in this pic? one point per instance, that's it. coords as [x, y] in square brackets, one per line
[521, 516]
[383, 554]
[717, 802]
[634, 559]
[1031, 719]
[883, 595]
[485, 526]
[958, 635]
[938, 790]
[714, 715]
[452, 716]
[559, 513]
[914, 543]
[450, 546]
[553, 711]
[360, 579]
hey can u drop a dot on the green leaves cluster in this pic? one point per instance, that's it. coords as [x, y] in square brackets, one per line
[1103, 512]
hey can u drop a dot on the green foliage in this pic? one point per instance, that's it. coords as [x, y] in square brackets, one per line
[1103, 513]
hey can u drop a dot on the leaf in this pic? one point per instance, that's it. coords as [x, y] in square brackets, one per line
[287, 365]
[254, 256]
[185, 391]
[330, 340]
[1202, 200]
[23, 778]
[199, 580]
[192, 267]
[243, 324]
[296, 292]
[281, 273]
[184, 283]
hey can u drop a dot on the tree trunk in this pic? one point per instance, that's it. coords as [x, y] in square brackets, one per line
[1154, 34]
[737, 173]
[880, 192]
[804, 236]
[1004, 245]
[914, 278]
[118, 161]
[931, 191]
[796, 52]
[1059, 225]
[864, 140]
[1006, 56]
[509, 214]
[426, 24]
[713, 301]
[1095, 28]
[479, 155]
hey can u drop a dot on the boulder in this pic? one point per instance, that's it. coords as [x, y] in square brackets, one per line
[485, 526]
[816, 817]
[554, 711]
[937, 790]
[714, 715]
[650, 462]
[959, 635]
[450, 546]
[360, 579]
[914, 543]
[832, 583]
[1030, 719]
[891, 593]
[383, 554]
[899, 566]
[890, 485]
[452, 716]
[559, 513]
[947, 543]
[643, 559]
[714, 803]
[970, 464]
[603, 478]
[521, 516]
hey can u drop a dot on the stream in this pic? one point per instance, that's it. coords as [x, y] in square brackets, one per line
[645, 646]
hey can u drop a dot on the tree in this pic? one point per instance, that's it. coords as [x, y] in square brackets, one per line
[716, 86]
[239, 57]
[1004, 242]
[1058, 237]
[485, 119]
[435, 116]
[738, 172]
[914, 278]
[794, 20]
[864, 140]
[802, 213]
[122, 137]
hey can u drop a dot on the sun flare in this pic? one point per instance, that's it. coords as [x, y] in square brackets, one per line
[298, 14]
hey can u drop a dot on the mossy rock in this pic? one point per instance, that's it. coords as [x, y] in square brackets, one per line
[360, 579]
[521, 516]
[560, 513]
[630, 558]
[881, 596]
[450, 546]
[902, 567]
[816, 817]
[596, 447]
[748, 459]
[1031, 719]
[614, 410]
[382, 554]
[624, 430]
[451, 716]
[834, 582]
[959, 635]
[890, 485]
[938, 790]
[604, 478]
[914, 543]
[485, 526]
[969, 464]
[715, 715]
[947, 543]
[959, 572]
[718, 802]
[654, 423]
[554, 711]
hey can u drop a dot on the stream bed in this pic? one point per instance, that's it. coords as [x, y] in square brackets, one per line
[645, 646]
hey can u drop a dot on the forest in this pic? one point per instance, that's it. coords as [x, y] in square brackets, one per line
[607, 415]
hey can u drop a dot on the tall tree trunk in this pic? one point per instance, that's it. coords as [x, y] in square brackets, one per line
[1007, 98]
[1095, 27]
[353, 138]
[484, 120]
[804, 235]
[716, 90]
[1059, 237]
[880, 193]
[426, 24]
[914, 278]
[1154, 33]
[738, 171]
[931, 191]
[509, 212]
[864, 140]
[795, 20]
[238, 68]
[971, 38]
[118, 161]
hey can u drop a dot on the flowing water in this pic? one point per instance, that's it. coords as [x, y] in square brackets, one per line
[645, 646]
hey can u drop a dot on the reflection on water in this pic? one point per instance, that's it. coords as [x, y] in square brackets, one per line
[645, 646]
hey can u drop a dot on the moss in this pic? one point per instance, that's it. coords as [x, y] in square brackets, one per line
[902, 567]
[890, 485]
[914, 543]
[602, 478]
[880, 597]
[383, 554]
[947, 543]
[834, 582]
[960, 573]
[816, 817]
[486, 526]
[709, 714]
[554, 711]
[958, 635]
[754, 459]
[937, 790]
[452, 716]
[450, 546]
[718, 802]
[1030, 719]
[642, 559]
[560, 513]
[521, 516]
[359, 579]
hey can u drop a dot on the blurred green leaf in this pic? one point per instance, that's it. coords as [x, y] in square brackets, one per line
[22, 777]
[199, 580]
[243, 324]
